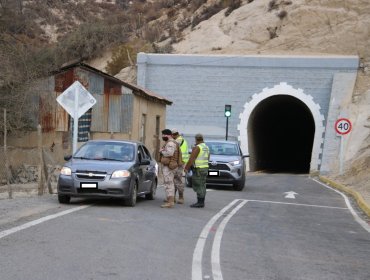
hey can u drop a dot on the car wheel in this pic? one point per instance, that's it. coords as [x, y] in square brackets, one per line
[153, 190]
[131, 201]
[239, 186]
[64, 199]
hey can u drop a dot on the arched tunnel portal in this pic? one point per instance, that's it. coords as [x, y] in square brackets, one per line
[281, 133]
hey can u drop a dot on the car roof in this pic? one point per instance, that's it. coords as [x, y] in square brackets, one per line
[222, 141]
[115, 141]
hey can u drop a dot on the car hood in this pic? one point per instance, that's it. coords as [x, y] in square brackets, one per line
[223, 158]
[98, 165]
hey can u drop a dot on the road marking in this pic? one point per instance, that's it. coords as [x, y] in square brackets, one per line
[298, 204]
[196, 273]
[348, 203]
[41, 220]
[290, 194]
[216, 247]
[209, 227]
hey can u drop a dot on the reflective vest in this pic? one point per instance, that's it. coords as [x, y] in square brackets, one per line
[184, 148]
[202, 159]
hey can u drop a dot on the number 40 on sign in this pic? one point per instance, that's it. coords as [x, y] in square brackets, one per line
[343, 126]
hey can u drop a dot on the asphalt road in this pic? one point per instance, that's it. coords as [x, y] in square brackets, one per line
[279, 227]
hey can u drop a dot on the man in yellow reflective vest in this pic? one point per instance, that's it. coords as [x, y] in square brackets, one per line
[199, 159]
[178, 180]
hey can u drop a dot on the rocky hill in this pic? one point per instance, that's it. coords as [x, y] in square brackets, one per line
[299, 27]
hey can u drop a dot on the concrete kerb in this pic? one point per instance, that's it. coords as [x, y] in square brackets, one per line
[358, 198]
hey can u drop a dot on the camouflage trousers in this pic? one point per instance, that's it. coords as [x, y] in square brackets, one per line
[199, 181]
[168, 182]
[178, 180]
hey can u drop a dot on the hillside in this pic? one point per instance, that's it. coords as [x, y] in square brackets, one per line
[301, 27]
[94, 31]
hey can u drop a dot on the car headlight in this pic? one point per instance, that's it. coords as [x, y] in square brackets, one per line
[156, 169]
[121, 174]
[235, 162]
[66, 171]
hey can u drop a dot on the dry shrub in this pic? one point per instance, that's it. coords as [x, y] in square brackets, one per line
[233, 5]
[272, 32]
[272, 5]
[282, 14]
[125, 55]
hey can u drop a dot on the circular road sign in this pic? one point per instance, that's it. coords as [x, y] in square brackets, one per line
[343, 126]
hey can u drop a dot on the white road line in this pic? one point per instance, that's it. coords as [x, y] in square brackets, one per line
[215, 257]
[198, 251]
[348, 203]
[39, 221]
[298, 204]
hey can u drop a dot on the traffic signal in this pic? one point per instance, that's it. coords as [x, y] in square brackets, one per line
[227, 111]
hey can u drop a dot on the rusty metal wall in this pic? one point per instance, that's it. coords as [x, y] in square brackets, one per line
[99, 121]
[96, 84]
[112, 112]
[127, 111]
[115, 111]
[62, 81]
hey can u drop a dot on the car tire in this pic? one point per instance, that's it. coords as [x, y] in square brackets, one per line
[64, 199]
[239, 186]
[131, 201]
[153, 190]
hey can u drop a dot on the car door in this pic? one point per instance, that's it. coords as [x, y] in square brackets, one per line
[144, 170]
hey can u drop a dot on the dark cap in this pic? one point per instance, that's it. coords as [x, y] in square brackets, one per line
[166, 131]
[199, 137]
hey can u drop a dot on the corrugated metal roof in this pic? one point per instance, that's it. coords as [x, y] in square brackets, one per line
[137, 90]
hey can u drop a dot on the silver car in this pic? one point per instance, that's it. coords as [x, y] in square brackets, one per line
[109, 168]
[226, 165]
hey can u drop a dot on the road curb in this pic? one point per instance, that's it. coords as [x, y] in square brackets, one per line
[358, 198]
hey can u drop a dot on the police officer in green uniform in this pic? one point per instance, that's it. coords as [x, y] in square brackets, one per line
[199, 158]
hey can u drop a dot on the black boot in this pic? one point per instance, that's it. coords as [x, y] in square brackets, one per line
[199, 204]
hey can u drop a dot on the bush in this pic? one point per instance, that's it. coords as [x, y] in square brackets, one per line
[125, 55]
[273, 5]
[282, 14]
[233, 5]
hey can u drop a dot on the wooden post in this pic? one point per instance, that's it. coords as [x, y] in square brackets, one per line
[41, 165]
[7, 171]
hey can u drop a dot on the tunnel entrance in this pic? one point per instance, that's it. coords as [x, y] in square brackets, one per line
[281, 132]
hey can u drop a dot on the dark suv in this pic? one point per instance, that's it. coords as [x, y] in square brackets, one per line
[226, 165]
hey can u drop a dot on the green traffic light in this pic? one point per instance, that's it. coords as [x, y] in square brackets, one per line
[227, 111]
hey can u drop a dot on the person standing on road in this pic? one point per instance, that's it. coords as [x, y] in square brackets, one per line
[179, 183]
[199, 159]
[170, 156]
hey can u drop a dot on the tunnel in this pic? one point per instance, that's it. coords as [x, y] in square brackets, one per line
[281, 132]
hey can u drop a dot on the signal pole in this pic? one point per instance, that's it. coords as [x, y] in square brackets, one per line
[227, 115]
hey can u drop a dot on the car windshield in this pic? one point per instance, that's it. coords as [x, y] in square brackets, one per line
[106, 151]
[227, 149]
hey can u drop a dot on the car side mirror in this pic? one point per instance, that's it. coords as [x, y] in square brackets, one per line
[145, 162]
[67, 158]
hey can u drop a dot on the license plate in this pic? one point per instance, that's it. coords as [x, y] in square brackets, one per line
[213, 173]
[89, 185]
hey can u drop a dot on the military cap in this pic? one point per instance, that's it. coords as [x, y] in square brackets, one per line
[166, 131]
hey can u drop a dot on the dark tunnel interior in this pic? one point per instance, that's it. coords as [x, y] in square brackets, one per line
[280, 135]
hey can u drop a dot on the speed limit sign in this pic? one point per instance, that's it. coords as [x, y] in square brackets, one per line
[343, 126]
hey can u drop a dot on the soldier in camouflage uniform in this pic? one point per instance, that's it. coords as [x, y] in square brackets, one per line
[178, 180]
[169, 157]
